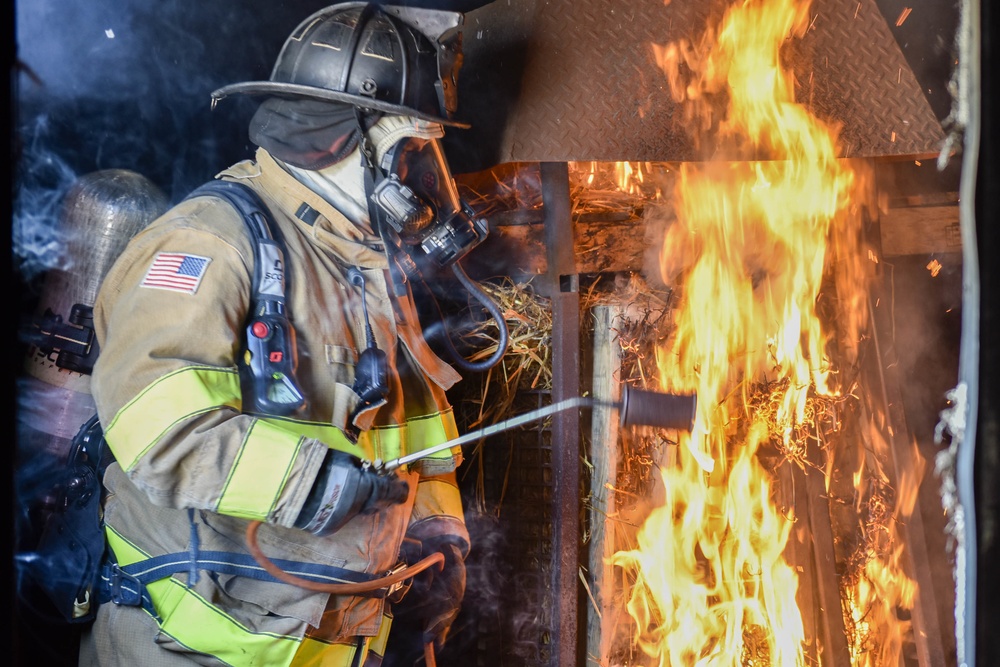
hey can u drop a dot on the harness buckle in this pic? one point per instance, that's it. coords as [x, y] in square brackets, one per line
[398, 590]
[123, 588]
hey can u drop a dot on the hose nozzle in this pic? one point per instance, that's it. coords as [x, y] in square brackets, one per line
[650, 408]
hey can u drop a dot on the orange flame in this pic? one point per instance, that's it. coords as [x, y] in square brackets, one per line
[753, 240]
[874, 592]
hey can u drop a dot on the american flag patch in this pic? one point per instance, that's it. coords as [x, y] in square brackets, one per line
[176, 271]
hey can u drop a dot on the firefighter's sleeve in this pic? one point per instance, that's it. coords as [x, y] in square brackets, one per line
[169, 320]
[437, 516]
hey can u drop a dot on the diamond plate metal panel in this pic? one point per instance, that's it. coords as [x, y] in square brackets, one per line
[563, 80]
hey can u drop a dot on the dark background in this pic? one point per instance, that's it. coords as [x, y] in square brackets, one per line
[98, 85]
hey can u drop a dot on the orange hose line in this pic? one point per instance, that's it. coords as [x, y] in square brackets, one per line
[336, 589]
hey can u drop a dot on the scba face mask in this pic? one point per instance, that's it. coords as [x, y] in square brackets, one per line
[417, 210]
[421, 203]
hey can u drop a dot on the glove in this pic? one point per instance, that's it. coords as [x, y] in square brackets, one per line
[345, 488]
[435, 598]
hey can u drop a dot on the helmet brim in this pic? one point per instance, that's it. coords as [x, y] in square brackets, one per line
[323, 94]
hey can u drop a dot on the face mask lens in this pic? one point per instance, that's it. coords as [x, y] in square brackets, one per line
[421, 166]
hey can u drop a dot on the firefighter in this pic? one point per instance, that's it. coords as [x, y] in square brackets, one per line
[358, 98]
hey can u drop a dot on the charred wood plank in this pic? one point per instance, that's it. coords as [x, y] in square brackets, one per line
[836, 652]
[920, 230]
[601, 246]
[792, 500]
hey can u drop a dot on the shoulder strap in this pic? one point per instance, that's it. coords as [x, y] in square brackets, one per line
[269, 274]
[268, 363]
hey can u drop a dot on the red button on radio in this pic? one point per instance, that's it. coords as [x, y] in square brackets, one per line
[259, 329]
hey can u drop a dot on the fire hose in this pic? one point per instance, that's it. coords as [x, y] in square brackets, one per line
[637, 408]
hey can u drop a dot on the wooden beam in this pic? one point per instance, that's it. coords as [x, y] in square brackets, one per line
[920, 230]
[836, 652]
[615, 245]
[792, 500]
[604, 462]
[601, 247]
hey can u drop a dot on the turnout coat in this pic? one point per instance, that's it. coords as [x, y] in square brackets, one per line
[192, 468]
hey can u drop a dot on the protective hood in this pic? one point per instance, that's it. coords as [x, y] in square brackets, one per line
[343, 183]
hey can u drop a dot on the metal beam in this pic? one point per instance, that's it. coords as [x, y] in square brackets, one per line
[563, 287]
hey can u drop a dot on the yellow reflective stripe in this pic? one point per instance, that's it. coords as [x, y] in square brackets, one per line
[418, 433]
[445, 494]
[430, 431]
[197, 624]
[192, 621]
[260, 471]
[318, 653]
[382, 442]
[381, 639]
[171, 399]
[315, 653]
[329, 435]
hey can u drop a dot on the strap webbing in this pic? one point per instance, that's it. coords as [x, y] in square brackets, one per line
[127, 584]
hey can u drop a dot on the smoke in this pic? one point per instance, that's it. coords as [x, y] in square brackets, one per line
[926, 326]
[128, 84]
[500, 613]
[487, 576]
[44, 180]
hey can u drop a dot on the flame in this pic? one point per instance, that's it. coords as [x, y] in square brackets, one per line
[758, 230]
[627, 177]
[876, 584]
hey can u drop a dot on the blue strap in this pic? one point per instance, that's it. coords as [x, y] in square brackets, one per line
[243, 565]
[119, 587]
[195, 545]
[127, 584]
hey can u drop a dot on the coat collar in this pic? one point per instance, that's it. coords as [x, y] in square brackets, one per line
[313, 216]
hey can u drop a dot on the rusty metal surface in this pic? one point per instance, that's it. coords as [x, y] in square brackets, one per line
[565, 301]
[563, 80]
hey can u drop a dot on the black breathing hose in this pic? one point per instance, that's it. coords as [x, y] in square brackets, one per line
[494, 311]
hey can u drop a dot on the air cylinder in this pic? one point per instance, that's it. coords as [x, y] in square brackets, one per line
[100, 213]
